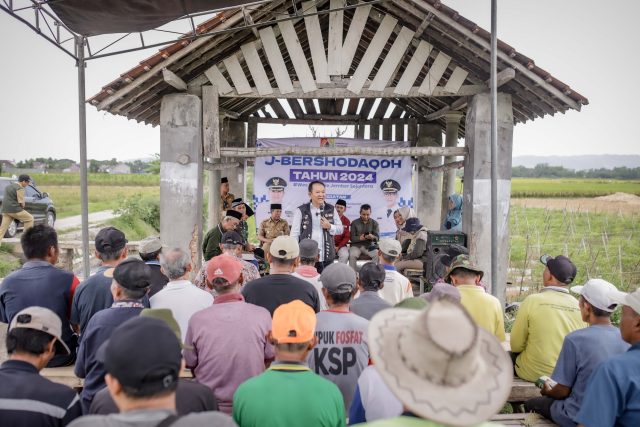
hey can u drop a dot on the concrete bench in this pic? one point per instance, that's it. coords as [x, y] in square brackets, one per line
[529, 420]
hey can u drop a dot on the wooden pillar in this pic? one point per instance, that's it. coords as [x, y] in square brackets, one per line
[360, 131]
[476, 208]
[386, 132]
[374, 132]
[181, 173]
[399, 132]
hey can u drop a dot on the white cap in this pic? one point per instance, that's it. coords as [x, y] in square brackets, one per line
[631, 300]
[598, 293]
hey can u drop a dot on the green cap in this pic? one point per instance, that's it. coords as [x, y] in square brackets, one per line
[462, 261]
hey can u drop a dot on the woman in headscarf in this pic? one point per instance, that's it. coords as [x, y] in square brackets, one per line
[401, 216]
[453, 220]
[416, 253]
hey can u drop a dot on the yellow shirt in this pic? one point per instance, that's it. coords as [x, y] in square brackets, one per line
[485, 309]
[542, 322]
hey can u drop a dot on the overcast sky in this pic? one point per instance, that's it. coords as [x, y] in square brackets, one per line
[590, 45]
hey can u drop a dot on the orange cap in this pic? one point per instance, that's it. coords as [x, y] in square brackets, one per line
[294, 322]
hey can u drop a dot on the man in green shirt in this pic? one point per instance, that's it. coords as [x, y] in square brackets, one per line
[212, 240]
[13, 205]
[289, 393]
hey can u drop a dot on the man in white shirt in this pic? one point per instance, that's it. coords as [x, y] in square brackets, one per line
[181, 296]
[318, 221]
[396, 286]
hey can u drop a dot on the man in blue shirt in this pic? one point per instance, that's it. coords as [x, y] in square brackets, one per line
[582, 352]
[613, 394]
[130, 285]
[94, 293]
[39, 283]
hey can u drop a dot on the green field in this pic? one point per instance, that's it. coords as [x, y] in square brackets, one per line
[541, 187]
[601, 245]
[95, 179]
[67, 198]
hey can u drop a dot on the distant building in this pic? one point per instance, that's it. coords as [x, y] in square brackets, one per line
[120, 168]
[4, 164]
[74, 168]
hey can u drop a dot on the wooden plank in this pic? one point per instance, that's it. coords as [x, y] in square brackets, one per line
[372, 54]
[210, 122]
[366, 108]
[340, 105]
[382, 108]
[393, 58]
[342, 151]
[173, 80]
[399, 132]
[316, 43]
[412, 71]
[295, 107]
[458, 76]
[359, 131]
[374, 132]
[296, 54]
[237, 75]
[353, 105]
[216, 78]
[309, 106]
[352, 40]
[435, 73]
[336, 25]
[522, 390]
[387, 134]
[276, 61]
[258, 73]
[278, 109]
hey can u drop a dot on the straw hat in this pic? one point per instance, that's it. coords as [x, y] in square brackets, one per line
[439, 364]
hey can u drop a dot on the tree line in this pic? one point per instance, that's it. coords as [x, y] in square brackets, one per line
[545, 170]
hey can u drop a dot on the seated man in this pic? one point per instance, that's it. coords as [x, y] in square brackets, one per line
[485, 309]
[143, 360]
[272, 227]
[370, 281]
[612, 397]
[416, 253]
[150, 251]
[582, 352]
[40, 283]
[309, 257]
[396, 286]
[365, 232]
[544, 319]
[289, 393]
[342, 240]
[34, 337]
[211, 240]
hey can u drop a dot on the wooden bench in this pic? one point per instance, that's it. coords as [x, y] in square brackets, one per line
[522, 391]
[529, 420]
[65, 375]
[416, 274]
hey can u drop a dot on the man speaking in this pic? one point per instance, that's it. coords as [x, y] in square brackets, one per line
[318, 221]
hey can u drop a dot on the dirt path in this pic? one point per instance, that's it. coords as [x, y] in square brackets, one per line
[76, 221]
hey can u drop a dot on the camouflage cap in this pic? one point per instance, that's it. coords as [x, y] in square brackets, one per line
[462, 261]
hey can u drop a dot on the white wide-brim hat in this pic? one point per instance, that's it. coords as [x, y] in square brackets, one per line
[439, 364]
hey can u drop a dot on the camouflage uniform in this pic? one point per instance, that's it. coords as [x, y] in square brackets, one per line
[227, 200]
[270, 229]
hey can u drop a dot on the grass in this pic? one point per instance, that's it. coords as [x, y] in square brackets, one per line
[67, 198]
[8, 262]
[601, 245]
[542, 187]
[101, 179]
[134, 230]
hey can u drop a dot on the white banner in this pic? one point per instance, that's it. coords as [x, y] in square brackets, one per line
[356, 179]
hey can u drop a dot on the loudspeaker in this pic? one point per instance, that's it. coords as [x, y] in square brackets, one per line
[442, 248]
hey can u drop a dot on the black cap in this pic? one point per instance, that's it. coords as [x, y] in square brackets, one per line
[341, 203]
[24, 177]
[412, 224]
[390, 186]
[560, 267]
[237, 202]
[276, 182]
[235, 214]
[144, 354]
[132, 273]
[110, 239]
[276, 206]
[224, 180]
[231, 238]
[372, 275]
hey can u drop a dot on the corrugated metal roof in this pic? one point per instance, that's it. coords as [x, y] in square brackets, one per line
[137, 93]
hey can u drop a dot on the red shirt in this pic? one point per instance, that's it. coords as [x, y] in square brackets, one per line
[342, 239]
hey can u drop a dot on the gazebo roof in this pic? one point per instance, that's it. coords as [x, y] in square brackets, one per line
[419, 55]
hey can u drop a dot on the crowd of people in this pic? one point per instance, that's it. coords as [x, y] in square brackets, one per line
[323, 339]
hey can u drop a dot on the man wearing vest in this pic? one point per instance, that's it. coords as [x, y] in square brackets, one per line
[13, 205]
[318, 221]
